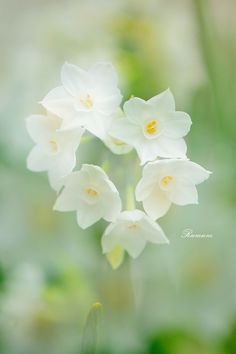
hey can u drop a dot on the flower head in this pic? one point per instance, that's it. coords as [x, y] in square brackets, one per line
[117, 146]
[55, 149]
[131, 231]
[86, 98]
[169, 181]
[153, 127]
[91, 194]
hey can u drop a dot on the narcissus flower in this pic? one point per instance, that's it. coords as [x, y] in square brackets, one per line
[117, 146]
[131, 231]
[55, 150]
[153, 127]
[169, 181]
[91, 194]
[86, 98]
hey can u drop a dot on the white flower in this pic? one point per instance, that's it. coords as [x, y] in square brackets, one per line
[131, 231]
[117, 146]
[86, 98]
[91, 194]
[153, 127]
[55, 150]
[169, 181]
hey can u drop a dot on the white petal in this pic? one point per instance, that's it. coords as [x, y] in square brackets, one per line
[70, 139]
[153, 231]
[117, 146]
[149, 150]
[176, 124]
[163, 167]
[76, 120]
[191, 171]
[98, 124]
[41, 127]
[109, 238]
[126, 131]
[88, 215]
[164, 102]
[74, 79]
[145, 185]
[94, 173]
[59, 102]
[104, 76]
[109, 104]
[55, 182]
[172, 147]
[112, 205]
[131, 215]
[183, 194]
[68, 200]
[37, 160]
[134, 244]
[137, 110]
[62, 164]
[156, 204]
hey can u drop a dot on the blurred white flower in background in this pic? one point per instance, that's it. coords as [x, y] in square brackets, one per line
[55, 150]
[169, 181]
[91, 194]
[21, 303]
[86, 98]
[131, 231]
[153, 127]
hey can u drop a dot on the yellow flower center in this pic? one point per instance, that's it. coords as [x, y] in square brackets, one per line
[133, 226]
[87, 101]
[151, 127]
[165, 181]
[53, 146]
[91, 192]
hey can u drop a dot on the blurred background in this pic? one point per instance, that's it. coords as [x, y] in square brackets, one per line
[179, 299]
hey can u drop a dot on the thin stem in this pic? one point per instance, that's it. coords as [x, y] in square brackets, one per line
[130, 201]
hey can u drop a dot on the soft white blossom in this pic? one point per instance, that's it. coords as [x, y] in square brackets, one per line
[91, 194]
[169, 181]
[154, 128]
[117, 146]
[86, 98]
[55, 150]
[131, 231]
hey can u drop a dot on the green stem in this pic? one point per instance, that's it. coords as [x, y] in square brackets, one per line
[130, 201]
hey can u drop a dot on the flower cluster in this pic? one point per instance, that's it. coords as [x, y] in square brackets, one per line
[89, 101]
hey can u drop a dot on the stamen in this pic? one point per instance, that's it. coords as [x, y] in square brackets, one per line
[53, 145]
[165, 181]
[133, 226]
[151, 127]
[87, 101]
[91, 192]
